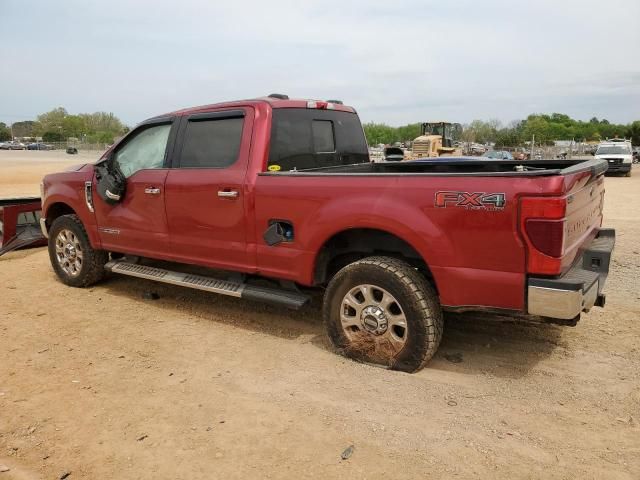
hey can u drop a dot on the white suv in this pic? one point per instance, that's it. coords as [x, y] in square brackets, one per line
[618, 153]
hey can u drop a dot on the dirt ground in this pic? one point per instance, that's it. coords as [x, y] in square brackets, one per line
[21, 170]
[101, 383]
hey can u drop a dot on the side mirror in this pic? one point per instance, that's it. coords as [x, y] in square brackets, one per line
[111, 183]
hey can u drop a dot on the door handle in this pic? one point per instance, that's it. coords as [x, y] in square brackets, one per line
[228, 193]
[152, 191]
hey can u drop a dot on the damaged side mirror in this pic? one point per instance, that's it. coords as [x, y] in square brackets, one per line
[110, 182]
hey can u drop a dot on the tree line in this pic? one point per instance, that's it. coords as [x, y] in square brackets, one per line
[546, 128]
[58, 125]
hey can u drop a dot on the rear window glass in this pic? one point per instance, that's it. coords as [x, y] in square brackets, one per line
[323, 136]
[303, 139]
[213, 143]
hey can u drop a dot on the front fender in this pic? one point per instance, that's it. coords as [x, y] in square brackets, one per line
[68, 189]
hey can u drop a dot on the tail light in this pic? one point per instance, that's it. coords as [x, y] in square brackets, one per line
[542, 223]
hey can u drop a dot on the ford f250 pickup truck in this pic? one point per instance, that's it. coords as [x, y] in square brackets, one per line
[264, 199]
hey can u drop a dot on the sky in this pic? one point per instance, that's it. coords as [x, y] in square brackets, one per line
[396, 62]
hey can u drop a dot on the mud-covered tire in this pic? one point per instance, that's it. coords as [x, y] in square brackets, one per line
[91, 267]
[416, 298]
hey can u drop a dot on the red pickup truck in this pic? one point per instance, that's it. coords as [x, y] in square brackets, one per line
[280, 194]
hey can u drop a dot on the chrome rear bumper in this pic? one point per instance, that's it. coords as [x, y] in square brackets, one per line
[577, 290]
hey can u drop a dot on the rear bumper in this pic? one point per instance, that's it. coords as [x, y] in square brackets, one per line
[578, 289]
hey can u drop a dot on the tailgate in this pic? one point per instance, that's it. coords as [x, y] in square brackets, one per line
[583, 218]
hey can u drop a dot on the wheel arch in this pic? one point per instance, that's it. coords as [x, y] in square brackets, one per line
[57, 209]
[349, 245]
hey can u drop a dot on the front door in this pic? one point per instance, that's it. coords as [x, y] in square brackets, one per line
[137, 223]
[205, 190]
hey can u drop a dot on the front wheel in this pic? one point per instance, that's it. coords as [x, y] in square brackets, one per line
[73, 259]
[381, 310]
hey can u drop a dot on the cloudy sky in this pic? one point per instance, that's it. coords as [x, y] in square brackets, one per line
[395, 61]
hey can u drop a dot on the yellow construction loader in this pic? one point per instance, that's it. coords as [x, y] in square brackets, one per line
[436, 141]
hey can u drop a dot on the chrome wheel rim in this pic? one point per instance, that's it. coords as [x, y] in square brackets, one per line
[372, 312]
[69, 252]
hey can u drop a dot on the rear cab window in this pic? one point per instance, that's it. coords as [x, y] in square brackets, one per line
[303, 139]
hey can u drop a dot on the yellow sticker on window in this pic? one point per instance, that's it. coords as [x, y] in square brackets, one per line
[274, 168]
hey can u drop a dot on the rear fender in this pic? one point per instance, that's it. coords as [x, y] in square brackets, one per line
[407, 222]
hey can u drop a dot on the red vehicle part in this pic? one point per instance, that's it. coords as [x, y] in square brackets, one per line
[481, 228]
[20, 224]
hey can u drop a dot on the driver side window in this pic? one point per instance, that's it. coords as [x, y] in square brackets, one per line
[144, 151]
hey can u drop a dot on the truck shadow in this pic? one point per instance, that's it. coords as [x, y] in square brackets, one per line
[496, 345]
[476, 344]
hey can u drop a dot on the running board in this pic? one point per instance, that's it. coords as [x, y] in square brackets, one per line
[289, 299]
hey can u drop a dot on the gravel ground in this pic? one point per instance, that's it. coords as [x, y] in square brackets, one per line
[101, 383]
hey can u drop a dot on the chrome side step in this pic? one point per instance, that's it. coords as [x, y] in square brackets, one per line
[289, 299]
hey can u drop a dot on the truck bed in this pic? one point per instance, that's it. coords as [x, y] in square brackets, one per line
[463, 166]
[464, 243]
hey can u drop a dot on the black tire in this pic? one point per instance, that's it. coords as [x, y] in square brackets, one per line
[414, 296]
[91, 268]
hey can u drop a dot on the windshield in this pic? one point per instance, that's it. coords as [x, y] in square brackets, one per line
[613, 150]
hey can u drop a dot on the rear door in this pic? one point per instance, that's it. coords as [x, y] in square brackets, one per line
[206, 198]
[138, 223]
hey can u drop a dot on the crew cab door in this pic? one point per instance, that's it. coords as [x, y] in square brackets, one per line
[137, 222]
[206, 198]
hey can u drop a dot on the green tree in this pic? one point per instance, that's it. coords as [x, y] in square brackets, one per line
[537, 126]
[508, 137]
[379, 133]
[24, 129]
[5, 132]
[52, 137]
[633, 132]
[73, 126]
[53, 120]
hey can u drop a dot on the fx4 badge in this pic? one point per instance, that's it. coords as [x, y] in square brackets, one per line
[471, 200]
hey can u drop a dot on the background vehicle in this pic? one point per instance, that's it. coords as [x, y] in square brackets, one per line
[393, 154]
[283, 190]
[12, 146]
[618, 154]
[39, 146]
[498, 155]
[436, 140]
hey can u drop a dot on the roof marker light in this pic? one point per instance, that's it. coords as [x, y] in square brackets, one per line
[320, 105]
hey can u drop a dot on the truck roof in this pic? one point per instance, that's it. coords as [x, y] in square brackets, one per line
[272, 101]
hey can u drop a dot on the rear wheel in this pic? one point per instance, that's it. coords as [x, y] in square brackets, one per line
[381, 310]
[73, 259]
